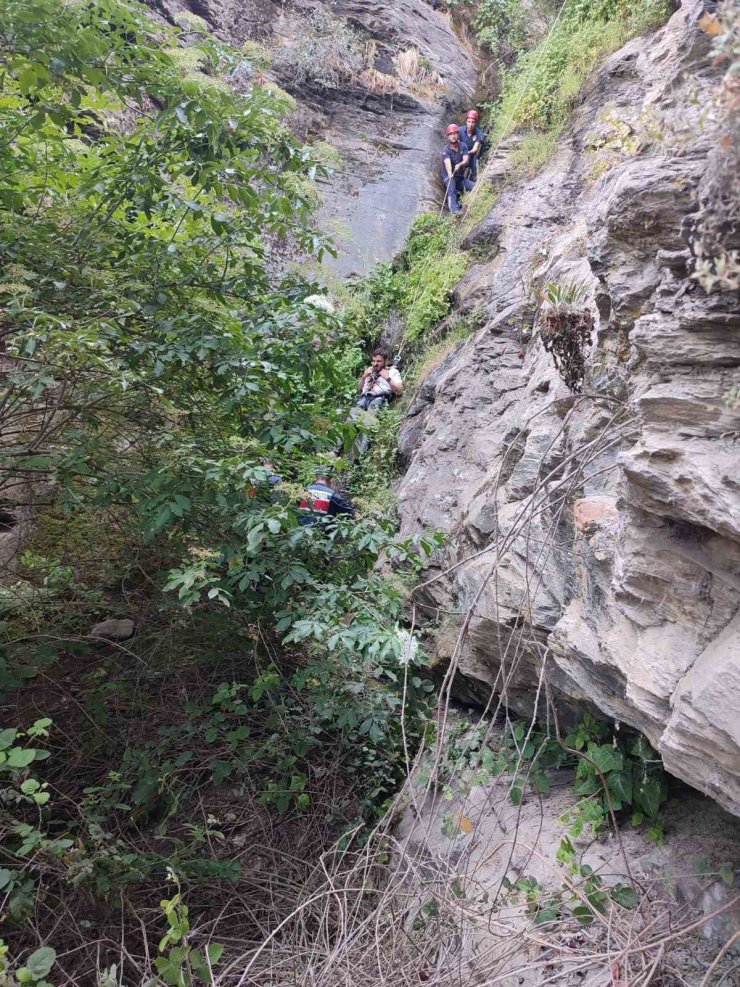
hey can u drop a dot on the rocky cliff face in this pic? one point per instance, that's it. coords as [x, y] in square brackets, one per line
[595, 539]
[386, 128]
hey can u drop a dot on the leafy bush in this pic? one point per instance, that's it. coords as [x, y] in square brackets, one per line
[614, 774]
[257, 55]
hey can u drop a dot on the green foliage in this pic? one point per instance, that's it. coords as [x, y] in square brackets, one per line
[416, 286]
[155, 359]
[542, 87]
[559, 298]
[533, 152]
[180, 965]
[327, 155]
[32, 972]
[501, 22]
[257, 55]
[614, 775]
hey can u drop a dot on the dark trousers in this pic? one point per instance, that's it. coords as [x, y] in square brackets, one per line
[371, 402]
[367, 402]
[455, 188]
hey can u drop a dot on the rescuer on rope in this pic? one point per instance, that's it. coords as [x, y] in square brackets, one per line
[455, 160]
[472, 139]
[322, 502]
[378, 386]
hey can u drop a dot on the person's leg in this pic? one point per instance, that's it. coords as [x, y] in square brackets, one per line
[362, 441]
[453, 203]
[473, 170]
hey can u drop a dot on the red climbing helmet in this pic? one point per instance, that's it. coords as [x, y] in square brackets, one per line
[472, 115]
[452, 129]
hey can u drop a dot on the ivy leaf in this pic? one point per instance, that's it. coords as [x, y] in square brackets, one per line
[625, 895]
[41, 961]
[727, 873]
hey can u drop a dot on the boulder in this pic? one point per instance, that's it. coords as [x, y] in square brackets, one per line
[114, 629]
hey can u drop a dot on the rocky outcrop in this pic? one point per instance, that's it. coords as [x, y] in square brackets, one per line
[388, 135]
[595, 538]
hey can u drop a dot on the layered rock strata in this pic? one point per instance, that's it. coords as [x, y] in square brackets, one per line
[595, 538]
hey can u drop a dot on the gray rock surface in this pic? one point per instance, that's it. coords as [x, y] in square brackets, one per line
[388, 142]
[114, 629]
[595, 540]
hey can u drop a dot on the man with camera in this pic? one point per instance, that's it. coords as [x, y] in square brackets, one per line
[379, 383]
[378, 386]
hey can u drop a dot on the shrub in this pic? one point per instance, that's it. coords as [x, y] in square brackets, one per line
[328, 155]
[541, 89]
[427, 293]
[328, 53]
[257, 55]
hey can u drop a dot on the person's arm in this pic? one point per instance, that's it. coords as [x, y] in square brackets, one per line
[448, 165]
[363, 379]
[342, 506]
[394, 379]
[463, 163]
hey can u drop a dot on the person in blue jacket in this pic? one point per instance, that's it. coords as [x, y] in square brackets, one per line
[322, 502]
[472, 139]
[454, 162]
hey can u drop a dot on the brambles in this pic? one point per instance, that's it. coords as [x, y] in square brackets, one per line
[565, 330]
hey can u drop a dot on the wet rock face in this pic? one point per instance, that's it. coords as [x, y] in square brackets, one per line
[388, 141]
[596, 538]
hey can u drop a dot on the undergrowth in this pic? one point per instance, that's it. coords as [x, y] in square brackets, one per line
[158, 368]
[543, 85]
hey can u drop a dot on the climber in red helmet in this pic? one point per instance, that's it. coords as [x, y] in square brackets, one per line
[472, 139]
[454, 162]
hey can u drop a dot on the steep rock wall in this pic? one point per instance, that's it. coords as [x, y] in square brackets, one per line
[596, 539]
[388, 141]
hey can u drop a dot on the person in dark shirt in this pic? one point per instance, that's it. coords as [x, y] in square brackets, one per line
[471, 140]
[454, 162]
[322, 502]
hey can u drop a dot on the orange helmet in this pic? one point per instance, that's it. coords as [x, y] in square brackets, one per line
[472, 115]
[452, 129]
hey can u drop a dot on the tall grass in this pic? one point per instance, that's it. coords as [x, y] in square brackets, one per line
[542, 88]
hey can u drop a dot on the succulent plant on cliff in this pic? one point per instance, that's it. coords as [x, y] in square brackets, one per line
[565, 330]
